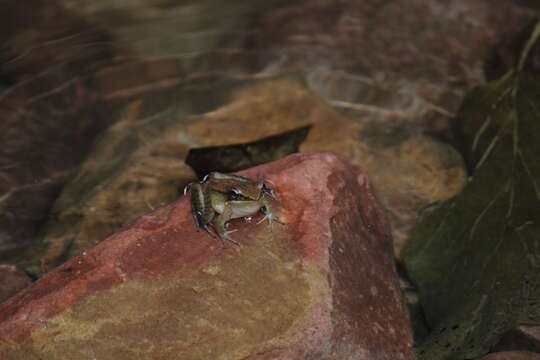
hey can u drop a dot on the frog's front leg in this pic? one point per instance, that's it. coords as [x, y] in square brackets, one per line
[268, 212]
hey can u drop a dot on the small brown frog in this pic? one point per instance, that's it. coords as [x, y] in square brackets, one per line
[231, 197]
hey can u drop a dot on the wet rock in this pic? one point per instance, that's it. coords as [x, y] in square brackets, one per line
[43, 142]
[136, 77]
[12, 280]
[321, 286]
[126, 175]
[512, 355]
[404, 70]
[23, 209]
[46, 37]
[49, 114]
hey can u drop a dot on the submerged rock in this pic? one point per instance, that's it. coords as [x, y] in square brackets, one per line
[512, 355]
[520, 338]
[50, 113]
[12, 280]
[321, 286]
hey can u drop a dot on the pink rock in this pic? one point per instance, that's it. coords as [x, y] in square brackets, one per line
[322, 286]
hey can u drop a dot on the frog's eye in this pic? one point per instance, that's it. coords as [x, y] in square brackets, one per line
[235, 194]
[207, 176]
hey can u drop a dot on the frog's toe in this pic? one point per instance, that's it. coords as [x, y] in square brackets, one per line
[207, 229]
[271, 218]
[225, 237]
[268, 217]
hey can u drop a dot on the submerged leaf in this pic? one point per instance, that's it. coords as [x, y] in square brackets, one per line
[476, 259]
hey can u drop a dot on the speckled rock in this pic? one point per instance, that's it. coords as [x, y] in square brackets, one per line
[321, 286]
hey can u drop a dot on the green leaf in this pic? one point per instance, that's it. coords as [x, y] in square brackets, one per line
[476, 258]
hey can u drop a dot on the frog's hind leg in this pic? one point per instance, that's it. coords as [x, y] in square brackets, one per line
[201, 207]
[200, 223]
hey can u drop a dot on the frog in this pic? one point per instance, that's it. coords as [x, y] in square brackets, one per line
[221, 197]
[238, 185]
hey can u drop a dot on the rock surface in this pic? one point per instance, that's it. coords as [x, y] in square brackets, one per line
[322, 286]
